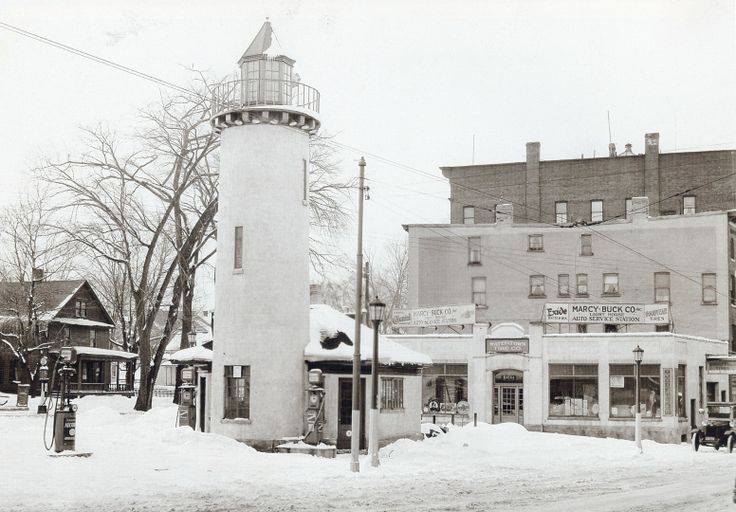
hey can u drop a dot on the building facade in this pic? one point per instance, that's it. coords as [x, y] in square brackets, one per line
[575, 383]
[519, 363]
[593, 189]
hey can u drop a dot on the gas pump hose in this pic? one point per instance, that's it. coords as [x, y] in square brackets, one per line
[48, 410]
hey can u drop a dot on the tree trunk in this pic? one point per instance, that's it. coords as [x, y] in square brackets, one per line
[186, 322]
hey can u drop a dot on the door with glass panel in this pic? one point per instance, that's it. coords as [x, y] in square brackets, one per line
[508, 397]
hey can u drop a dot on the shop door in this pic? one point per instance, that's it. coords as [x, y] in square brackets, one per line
[345, 412]
[202, 402]
[509, 404]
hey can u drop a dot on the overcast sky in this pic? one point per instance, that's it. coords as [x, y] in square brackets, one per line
[408, 81]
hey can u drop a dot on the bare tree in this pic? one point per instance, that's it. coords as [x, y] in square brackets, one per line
[30, 250]
[127, 201]
[390, 279]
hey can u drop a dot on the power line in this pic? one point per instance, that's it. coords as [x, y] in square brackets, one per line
[166, 83]
[93, 58]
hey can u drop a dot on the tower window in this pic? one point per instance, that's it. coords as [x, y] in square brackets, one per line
[238, 259]
[305, 179]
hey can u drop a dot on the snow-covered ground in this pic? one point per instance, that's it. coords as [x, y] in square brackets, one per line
[141, 462]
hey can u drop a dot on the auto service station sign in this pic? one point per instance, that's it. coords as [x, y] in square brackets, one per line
[435, 316]
[587, 313]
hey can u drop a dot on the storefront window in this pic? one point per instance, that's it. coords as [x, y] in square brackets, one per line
[681, 402]
[573, 390]
[445, 383]
[622, 388]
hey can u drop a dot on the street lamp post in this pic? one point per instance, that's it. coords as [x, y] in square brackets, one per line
[638, 356]
[376, 310]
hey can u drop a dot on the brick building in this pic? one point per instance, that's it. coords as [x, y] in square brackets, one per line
[592, 189]
[511, 270]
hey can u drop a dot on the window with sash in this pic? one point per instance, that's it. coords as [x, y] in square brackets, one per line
[610, 284]
[586, 245]
[709, 288]
[536, 243]
[536, 286]
[581, 284]
[478, 285]
[474, 250]
[392, 393]
[237, 392]
[561, 212]
[468, 215]
[563, 285]
[688, 205]
[596, 210]
[662, 287]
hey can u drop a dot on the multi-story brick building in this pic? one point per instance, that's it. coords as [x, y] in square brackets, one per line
[594, 189]
[511, 270]
[577, 376]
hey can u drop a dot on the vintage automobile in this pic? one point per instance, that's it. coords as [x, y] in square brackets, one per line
[717, 429]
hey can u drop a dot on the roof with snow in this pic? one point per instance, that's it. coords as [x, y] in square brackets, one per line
[265, 43]
[103, 353]
[330, 328]
[192, 355]
[83, 322]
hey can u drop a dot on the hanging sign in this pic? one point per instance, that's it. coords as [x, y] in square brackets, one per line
[586, 313]
[435, 316]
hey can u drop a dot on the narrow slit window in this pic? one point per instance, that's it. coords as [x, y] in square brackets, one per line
[238, 260]
[305, 177]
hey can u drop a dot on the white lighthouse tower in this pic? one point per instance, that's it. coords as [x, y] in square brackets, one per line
[265, 120]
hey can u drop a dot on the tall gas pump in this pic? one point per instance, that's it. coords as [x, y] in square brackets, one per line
[43, 378]
[65, 415]
[314, 417]
[187, 394]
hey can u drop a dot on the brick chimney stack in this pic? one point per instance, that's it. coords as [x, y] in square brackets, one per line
[533, 199]
[651, 171]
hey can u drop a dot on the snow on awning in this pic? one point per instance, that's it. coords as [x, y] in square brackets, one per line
[83, 322]
[103, 353]
[192, 355]
[327, 325]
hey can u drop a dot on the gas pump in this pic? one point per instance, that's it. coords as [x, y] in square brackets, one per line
[65, 415]
[314, 417]
[43, 377]
[187, 393]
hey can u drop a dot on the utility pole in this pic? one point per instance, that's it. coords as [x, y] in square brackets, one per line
[356, 419]
[367, 294]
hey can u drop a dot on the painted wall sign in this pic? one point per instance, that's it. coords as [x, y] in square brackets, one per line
[507, 346]
[723, 365]
[435, 316]
[586, 313]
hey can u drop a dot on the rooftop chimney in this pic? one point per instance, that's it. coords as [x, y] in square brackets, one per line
[612, 149]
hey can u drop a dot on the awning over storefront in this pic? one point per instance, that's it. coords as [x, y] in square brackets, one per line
[104, 354]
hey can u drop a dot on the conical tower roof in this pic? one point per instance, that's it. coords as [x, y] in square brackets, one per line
[265, 43]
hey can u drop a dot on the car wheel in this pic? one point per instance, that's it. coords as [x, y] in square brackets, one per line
[695, 441]
[731, 441]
